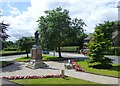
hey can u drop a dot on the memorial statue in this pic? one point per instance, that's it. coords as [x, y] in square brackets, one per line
[36, 55]
[36, 37]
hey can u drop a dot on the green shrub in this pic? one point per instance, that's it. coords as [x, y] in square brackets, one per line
[118, 51]
[10, 49]
[6, 53]
[69, 49]
[101, 66]
[113, 51]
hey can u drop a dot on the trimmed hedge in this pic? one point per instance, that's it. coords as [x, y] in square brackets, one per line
[10, 49]
[113, 51]
[12, 53]
[69, 49]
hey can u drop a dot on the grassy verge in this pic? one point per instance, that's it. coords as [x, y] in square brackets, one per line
[57, 81]
[23, 59]
[44, 58]
[5, 63]
[114, 71]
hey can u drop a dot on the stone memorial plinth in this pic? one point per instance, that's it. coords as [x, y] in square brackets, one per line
[36, 58]
[36, 53]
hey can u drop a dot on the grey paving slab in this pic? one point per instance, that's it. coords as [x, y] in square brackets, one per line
[19, 69]
[93, 77]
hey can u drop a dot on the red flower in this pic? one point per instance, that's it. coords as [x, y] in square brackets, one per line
[76, 66]
[33, 77]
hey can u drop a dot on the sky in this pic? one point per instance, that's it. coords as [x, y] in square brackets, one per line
[23, 14]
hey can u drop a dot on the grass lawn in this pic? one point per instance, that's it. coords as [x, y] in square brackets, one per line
[114, 71]
[67, 80]
[44, 58]
[4, 63]
[23, 59]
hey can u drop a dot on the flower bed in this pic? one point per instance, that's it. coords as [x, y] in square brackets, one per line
[33, 77]
[76, 66]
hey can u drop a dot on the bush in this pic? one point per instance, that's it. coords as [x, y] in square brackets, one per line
[102, 66]
[69, 49]
[105, 63]
[113, 51]
[10, 49]
[13, 53]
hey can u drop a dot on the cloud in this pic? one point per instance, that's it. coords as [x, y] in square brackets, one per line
[23, 24]
[92, 13]
[14, 0]
[13, 10]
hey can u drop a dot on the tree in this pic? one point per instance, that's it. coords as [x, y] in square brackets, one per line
[3, 34]
[101, 41]
[25, 43]
[3, 28]
[8, 44]
[77, 25]
[56, 28]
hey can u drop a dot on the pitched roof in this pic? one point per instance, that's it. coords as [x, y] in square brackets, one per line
[114, 34]
[88, 38]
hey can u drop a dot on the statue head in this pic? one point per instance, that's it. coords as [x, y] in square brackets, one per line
[36, 33]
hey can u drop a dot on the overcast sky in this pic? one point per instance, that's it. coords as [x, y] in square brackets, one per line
[23, 14]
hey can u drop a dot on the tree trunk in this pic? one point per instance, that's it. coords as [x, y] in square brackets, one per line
[59, 52]
[27, 53]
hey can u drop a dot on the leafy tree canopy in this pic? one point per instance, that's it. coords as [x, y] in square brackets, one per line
[57, 29]
[25, 43]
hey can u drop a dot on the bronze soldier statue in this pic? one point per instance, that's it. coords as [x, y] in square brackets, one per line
[36, 37]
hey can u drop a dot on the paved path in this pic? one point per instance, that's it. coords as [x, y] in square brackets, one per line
[92, 77]
[19, 69]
